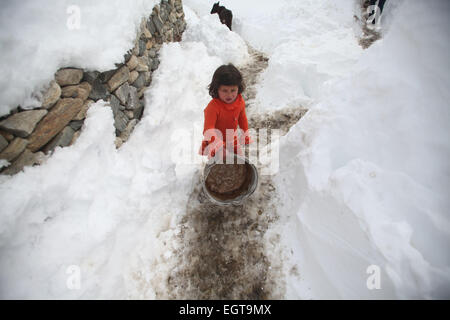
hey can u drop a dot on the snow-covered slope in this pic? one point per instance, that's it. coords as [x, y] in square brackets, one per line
[365, 174]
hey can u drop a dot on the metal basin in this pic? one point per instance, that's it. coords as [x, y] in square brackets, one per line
[238, 196]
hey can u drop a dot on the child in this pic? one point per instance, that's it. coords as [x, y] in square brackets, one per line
[225, 111]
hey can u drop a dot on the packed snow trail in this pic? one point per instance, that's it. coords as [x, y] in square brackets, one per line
[227, 252]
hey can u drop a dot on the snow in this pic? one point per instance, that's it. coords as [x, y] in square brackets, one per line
[373, 167]
[363, 176]
[43, 36]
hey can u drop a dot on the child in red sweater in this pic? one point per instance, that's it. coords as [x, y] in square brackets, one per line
[224, 112]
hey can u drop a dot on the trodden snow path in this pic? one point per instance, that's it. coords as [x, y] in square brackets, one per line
[233, 252]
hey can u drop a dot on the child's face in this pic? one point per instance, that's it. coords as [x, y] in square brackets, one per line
[228, 93]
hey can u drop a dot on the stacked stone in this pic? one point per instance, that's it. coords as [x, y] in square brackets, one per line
[26, 136]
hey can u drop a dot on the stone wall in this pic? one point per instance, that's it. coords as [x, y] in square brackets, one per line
[26, 136]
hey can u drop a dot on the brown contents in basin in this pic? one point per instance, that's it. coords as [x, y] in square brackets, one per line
[227, 181]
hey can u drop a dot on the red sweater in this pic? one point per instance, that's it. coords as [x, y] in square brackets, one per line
[222, 116]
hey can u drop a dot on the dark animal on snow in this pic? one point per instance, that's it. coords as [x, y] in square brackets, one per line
[225, 15]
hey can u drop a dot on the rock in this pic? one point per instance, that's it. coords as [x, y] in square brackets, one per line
[115, 105]
[151, 26]
[14, 149]
[98, 91]
[52, 95]
[140, 81]
[127, 56]
[76, 124]
[127, 95]
[149, 44]
[8, 136]
[118, 78]
[82, 114]
[141, 92]
[27, 158]
[120, 122]
[132, 63]
[69, 76]
[133, 76]
[158, 23]
[138, 110]
[62, 139]
[129, 114]
[135, 50]
[142, 44]
[146, 33]
[23, 123]
[3, 143]
[90, 76]
[122, 93]
[172, 17]
[163, 14]
[106, 75]
[142, 64]
[152, 53]
[155, 64]
[133, 100]
[125, 135]
[64, 111]
[81, 91]
[118, 142]
[169, 35]
[75, 137]
[143, 80]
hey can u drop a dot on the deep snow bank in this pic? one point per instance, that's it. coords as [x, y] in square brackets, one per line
[365, 174]
[38, 37]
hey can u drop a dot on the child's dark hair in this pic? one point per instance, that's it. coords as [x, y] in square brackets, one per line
[226, 75]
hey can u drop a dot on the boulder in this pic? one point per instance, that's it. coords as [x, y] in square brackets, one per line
[64, 111]
[14, 149]
[51, 95]
[69, 76]
[118, 78]
[23, 123]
